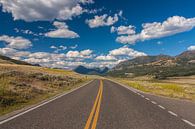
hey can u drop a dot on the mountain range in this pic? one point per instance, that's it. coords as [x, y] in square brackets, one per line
[160, 66]
[91, 71]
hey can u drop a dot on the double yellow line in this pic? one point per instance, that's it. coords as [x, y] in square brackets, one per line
[95, 109]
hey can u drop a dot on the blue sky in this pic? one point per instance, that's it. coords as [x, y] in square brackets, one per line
[94, 33]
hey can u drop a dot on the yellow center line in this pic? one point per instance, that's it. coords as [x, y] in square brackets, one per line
[98, 108]
[95, 109]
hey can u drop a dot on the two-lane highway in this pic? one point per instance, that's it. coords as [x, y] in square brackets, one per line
[102, 104]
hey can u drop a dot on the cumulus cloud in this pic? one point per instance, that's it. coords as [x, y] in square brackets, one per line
[123, 30]
[171, 26]
[103, 20]
[62, 31]
[84, 54]
[13, 53]
[105, 58]
[125, 51]
[191, 48]
[28, 32]
[74, 47]
[16, 42]
[45, 10]
[58, 48]
[69, 60]
[116, 56]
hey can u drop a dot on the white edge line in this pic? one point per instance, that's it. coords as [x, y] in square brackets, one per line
[127, 87]
[161, 107]
[172, 113]
[153, 102]
[142, 96]
[22, 113]
[147, 98]
[188, 122]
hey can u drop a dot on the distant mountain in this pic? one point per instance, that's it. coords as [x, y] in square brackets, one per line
[160, 66]
[187, 55]
[7, 60]
[92, 71]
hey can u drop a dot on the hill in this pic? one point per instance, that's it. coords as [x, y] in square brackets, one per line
[91, 71]
[7, 60]
[23, 85]
[160, 66]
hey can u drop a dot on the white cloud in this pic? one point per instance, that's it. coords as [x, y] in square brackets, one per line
[116, 56]
[101, 64]
[62, 31]
[44, 10]
[29, 32]
[58, 48]
[74, 47]
[86, 52]
[87, 1]
[69, 60]
[13, 53]
[123, 30]
[55, 60]
[105, 58]
[53, 47]
[103, 20]
[171, 26]
[79, 54]
[191, 48]
[125, 51]
[16, 42]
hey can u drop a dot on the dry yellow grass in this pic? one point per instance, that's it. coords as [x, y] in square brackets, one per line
[22, 85]
[168, 88]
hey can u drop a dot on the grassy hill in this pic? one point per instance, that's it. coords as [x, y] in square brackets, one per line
[23, 85]
[159, 67]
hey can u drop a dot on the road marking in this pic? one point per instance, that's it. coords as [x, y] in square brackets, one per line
[142, 96]
[96, 109]
[42, 104]
[188, 122]
[153, 102]
[172, 113]
[127, 87]
[93, 110]
[161, 107]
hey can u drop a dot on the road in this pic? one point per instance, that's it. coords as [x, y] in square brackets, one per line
[101, 104]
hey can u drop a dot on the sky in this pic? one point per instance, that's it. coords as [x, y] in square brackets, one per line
[94, 33]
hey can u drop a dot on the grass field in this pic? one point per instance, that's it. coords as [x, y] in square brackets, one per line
[181, 88]
[22, 85]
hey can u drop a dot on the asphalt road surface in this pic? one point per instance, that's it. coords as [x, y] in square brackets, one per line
[101, 104]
